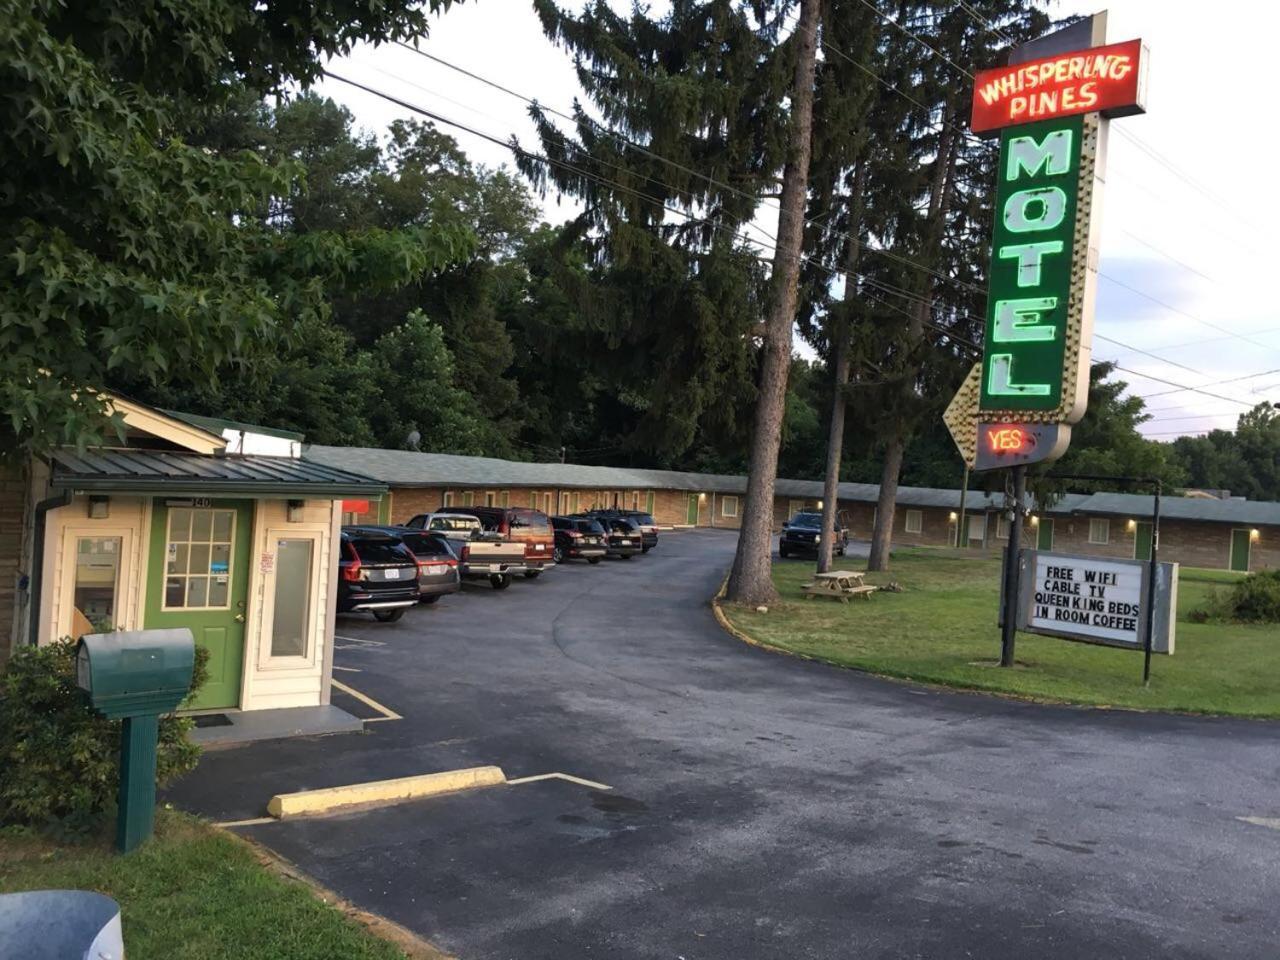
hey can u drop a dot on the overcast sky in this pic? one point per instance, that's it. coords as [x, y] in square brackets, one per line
[1186, 262]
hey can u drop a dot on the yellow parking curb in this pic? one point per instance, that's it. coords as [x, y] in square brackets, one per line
[383, 791]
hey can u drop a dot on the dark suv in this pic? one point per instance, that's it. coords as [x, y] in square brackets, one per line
[800, 535]
[648, 526]
[622, 536]
[578, 537]
[377, 572]
[437, 563]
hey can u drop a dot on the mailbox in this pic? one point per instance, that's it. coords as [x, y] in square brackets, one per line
[136, 672]
[136, 676]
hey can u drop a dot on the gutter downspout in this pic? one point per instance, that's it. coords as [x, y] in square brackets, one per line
[42, 509]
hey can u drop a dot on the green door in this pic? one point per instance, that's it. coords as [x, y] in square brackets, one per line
[197, 577]
[1240, 550]
[1142, 540]
[1044, 539]
[693, 509]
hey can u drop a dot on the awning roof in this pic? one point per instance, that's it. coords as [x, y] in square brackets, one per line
[162, 472]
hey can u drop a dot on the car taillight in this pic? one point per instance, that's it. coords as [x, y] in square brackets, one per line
[574, 534]
[351, 572]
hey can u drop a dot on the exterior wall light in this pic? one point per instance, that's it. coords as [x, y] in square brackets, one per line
[1255, 534]
[951, 515]
[293, 511]
[1035, 521]
[99, 507]
[1131, 526]
[702, 497]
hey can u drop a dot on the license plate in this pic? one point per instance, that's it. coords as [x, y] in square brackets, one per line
[392, 574]
[625, 543]
[537, 546]
[495, 568]
[436, 569]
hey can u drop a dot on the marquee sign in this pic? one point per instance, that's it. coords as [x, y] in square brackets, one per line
[1110, 80]
[1051, 115]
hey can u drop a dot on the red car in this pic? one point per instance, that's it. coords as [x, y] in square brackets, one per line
[519, 524]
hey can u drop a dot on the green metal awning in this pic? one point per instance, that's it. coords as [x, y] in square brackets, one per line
[163, 472]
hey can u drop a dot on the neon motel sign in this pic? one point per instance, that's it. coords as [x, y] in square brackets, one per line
[1049, 114]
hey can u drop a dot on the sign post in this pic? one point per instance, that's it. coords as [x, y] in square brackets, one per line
[1050, 107]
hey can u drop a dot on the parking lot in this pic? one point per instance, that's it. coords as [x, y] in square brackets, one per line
[758, 805]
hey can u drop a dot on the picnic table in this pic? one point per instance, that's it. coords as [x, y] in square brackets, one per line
[839, 585]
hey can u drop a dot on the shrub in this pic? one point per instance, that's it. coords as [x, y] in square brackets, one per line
[60, 757]
[1256, 598]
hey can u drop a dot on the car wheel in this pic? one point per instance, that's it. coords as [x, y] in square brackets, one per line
[645, 549]
[500, 581]
[388, 616]
[531, 574]
[557, 555]
[593, 559]
[431, 599]
[627, 556]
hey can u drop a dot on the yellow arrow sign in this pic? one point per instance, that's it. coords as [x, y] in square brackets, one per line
[961, 416]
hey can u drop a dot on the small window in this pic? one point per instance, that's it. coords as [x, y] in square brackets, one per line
[448, 498]
[915, 521]
[491, 498]
[198, 562]
[96, 582]
[1002, 527]
[466, 498]
[291, 620]
[977, 528]
[729, 506]
[1099, 530]
[533, 499]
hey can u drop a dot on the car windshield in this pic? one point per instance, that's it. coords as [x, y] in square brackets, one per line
[590, 526]
[465, 524]
[381, 551]
[812, 520]
[644, 518]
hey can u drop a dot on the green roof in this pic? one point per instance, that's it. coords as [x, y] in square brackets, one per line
[216, 425]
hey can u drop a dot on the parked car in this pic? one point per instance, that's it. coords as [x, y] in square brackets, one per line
[648, 526]
[377, 572]
[578, 538]
[800, 535]
[437, 564]
[622, 537]
[480, 554]
[519, 525]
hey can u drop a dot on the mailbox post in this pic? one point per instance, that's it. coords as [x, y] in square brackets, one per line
[136, 676]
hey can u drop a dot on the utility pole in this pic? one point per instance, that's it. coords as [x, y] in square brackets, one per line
[962, 533]
[562, 454]
[1009, 631]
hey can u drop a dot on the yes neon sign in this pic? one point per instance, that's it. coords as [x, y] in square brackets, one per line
[1110, 80]
[1030, 301]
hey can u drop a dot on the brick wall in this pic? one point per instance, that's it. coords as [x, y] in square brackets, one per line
[1189, 542]
[13, 492]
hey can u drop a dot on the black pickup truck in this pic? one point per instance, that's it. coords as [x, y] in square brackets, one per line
[801, 533]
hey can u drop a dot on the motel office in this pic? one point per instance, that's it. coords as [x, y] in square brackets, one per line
[1202, 532]
[186, 522]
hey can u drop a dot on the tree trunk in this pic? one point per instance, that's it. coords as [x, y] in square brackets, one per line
[840, 378]
[751, 580]
[882, 536]
[835, 444]
[940, 189]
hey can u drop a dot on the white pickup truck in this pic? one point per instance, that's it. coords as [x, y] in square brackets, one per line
[480, 554]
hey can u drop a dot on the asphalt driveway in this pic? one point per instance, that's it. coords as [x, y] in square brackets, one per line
[761, 806]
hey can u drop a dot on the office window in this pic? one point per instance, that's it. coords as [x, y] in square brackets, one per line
[729, 506]
[915, 521]
[198, 567]
[1099, 530]
[291, 619]
[97, 578]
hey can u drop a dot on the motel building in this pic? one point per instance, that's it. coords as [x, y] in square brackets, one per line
[188, 522]
[1216, 532]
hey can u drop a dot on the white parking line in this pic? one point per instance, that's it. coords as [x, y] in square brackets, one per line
[371, 643]
[347, 669]
[1272, 822]
[560, 776]
[387, 712]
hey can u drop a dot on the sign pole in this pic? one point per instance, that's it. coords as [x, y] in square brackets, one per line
[1149, 640]
[962, 536]
[1009, 631]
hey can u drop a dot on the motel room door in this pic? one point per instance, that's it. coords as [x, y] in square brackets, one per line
[1044, 537]
[1142, 540]
[692, 516]
[198, 577]
[1240, 550]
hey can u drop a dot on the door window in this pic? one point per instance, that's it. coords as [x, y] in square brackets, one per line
[291, 619]
[198, 559]
[97, 579]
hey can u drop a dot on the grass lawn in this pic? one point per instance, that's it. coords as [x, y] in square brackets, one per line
[193, 893]
[942, 629]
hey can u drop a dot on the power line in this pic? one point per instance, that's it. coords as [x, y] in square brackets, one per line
[1216, 383]
[1190, 316]
[888, 19]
